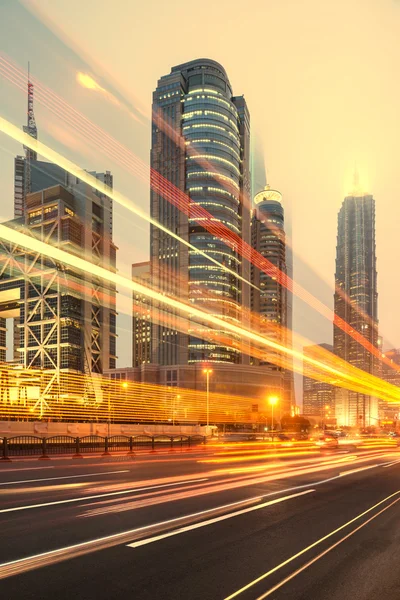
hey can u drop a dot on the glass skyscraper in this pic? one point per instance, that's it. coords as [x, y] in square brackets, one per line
[356, 302]
[200, 164]
[269, 298]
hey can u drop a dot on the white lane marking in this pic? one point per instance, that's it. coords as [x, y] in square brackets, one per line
[7, 470]
[357, 470]
[390, 464]
[82, 498]
[322, 554]
[157, 538]
[22, 565]
[64, 477]
[316, 543]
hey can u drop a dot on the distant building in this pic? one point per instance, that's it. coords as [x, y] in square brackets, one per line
[318, 396]
[141, 348]
[356, 301]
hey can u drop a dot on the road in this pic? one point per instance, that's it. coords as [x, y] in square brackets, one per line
[216, 524]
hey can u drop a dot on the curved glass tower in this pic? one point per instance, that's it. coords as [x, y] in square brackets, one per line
[211, 156]
[269, 234]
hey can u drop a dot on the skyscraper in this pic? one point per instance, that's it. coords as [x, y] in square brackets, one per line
[269, 299]
[355, 301]
[200, 147]
[317, 395]
[64, 320]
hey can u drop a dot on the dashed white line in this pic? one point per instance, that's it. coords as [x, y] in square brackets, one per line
[157, 538]
[64, 477]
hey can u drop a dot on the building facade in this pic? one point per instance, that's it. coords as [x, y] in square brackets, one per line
[200, 166]
[318, 396]
[390, 411]
[65, 319]
[356, 302]
[141, 324]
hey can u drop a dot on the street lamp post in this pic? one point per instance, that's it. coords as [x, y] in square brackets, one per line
[272, 400]
[207, 374]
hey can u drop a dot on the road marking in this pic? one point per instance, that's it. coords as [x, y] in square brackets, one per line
[7, 470]
[83, 498]
[316, 543]
[322, 554]
[357, 470]
[157, 538]
[23, 565]
[390, 464]
[64, 477]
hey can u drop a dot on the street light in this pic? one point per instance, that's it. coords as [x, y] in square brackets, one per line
[272, 400]
[207, 373]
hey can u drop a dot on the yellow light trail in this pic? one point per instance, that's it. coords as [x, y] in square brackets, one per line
[56, 158]
[375, 385]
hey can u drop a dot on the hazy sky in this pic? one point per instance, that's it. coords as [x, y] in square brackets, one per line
[321, 82]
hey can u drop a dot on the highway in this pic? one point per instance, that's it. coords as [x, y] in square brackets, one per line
[217, 523]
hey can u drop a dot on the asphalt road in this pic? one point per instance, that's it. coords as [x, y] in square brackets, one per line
[215, 524]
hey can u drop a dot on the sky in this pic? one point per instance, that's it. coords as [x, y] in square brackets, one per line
[321, 82]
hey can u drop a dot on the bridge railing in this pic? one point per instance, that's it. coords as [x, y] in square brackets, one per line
[42, 447]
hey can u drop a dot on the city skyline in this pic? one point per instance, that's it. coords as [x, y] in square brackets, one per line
[305, 185]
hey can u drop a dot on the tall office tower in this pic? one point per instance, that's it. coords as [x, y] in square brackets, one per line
[56, 207]
[269, 299]
[200, 147]
[318, 396]
[356, 301]
[141, 317]
[66, 318]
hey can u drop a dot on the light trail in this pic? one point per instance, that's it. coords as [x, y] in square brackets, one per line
[232, 515]
[120, 199]
[144, 501]
[181, 200]
[375, 385]
[93, 497]
[64, 477]
[313, 545]
[19, 566]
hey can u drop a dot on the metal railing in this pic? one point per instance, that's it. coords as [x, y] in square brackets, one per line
[43, 448]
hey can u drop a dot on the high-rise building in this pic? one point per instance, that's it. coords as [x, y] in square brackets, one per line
[268, 296]
[200, 148]
[355, 301]
[141, 317]
[66, 319]
[63, 319]
[318, 397]
[269, 299]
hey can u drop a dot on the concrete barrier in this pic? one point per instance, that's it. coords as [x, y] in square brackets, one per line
[49, 429]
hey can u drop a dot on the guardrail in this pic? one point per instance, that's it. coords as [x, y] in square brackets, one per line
[44, 448]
